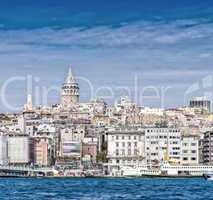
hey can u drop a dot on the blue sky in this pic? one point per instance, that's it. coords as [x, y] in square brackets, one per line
[164, 43]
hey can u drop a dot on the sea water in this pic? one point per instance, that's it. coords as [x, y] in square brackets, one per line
[114, 189]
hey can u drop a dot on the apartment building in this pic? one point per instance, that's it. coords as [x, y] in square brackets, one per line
[125, 147]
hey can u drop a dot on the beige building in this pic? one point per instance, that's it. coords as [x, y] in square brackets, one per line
[41, 151]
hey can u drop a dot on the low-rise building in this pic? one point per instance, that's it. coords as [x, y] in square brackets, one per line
[190, 149]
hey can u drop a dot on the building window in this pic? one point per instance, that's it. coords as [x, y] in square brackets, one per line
[123, 144]
[117, 137]
[122, 137]
[185, 158]
[194, 151]
[135, 152]
[129, 152]
[129, 144]
[154, 142]
[117, 144]
[117, 152]
[136, 144]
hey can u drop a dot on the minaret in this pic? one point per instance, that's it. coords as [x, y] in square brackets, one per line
[70, 91]
[29, 105]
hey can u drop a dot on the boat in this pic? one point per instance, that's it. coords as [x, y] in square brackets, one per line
[208, 176]
[165, 170]
[178, 170]
[127, 171]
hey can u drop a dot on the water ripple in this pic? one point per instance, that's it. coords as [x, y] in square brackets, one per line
[105, 189]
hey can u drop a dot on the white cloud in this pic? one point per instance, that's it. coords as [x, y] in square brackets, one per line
[135, 34]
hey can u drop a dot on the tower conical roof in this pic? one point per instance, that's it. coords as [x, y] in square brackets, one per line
[70, 77]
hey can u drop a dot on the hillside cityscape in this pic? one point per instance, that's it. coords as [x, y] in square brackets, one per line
[75, 138]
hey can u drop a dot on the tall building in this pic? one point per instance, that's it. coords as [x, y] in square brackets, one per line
[208, 147]
[41, 151]
[3, 150]
[19, 149]
[201, 103]
[70, 91]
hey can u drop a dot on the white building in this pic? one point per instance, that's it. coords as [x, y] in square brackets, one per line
[47, 130]
[152, 111]
[19, 149]
[190, 149]
[161, 144]
[125, 147]
[3, 150]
